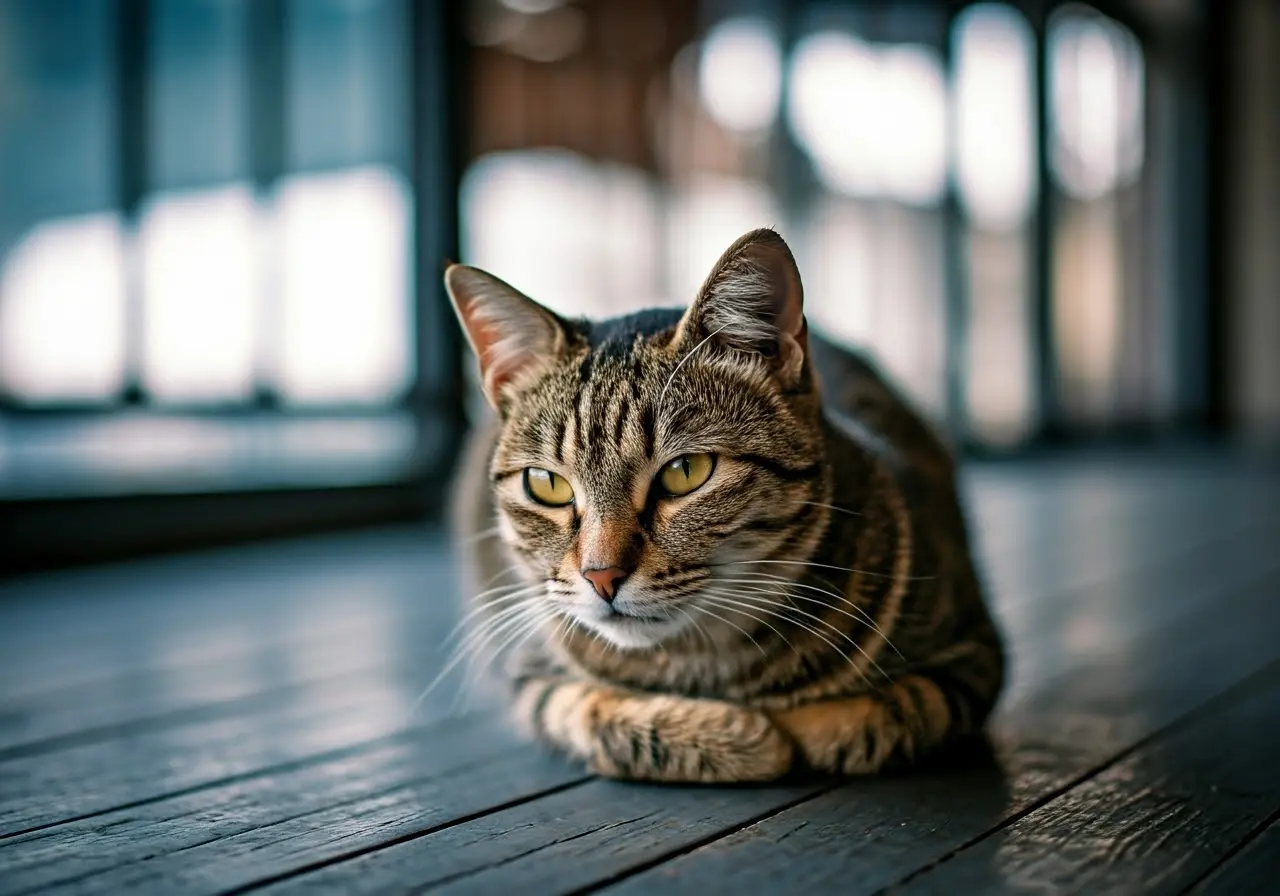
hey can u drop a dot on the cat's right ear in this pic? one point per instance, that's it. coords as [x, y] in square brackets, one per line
[514, 338]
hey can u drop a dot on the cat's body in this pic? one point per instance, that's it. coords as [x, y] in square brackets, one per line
[811, 600]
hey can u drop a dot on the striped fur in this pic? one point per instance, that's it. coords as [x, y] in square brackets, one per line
[813, 605]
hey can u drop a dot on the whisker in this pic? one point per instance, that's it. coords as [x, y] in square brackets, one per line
[698, 629]
[771, 610]
[745, 633]
[901, 614]
[494, 606]
[481, 595]
[862, 615]
[482, 534]
[835, 648]
[820, 621]
[526, 625]
[474, 641]
[834, 507]
[490, 605]
[862, 620]
[813, 565]
[509, 570]
[667, 385]
[753, 618]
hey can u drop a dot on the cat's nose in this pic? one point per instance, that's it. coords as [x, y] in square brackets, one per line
[606, 580]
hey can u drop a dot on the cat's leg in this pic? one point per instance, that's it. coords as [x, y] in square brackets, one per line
[653, 737]
[895, 726]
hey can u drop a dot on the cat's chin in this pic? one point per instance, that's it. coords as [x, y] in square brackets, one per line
[634, 632]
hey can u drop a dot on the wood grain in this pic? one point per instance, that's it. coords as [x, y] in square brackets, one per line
[1253, 871]
[1152, 822]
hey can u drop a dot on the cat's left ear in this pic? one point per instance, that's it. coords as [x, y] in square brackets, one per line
[515, 339]
[752, 301]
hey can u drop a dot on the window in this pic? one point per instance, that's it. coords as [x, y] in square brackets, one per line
[969, 190]
[209, 245]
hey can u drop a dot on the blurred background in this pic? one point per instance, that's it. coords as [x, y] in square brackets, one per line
[222, 225]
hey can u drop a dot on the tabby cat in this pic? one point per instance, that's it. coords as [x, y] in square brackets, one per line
[715, 578]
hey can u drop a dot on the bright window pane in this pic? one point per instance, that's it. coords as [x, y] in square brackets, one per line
[61, 248]
[201, 294]
[62, 311]
[346, 333]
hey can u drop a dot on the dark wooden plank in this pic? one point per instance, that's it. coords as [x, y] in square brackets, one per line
[61, 630]
[1082, 538]
[48, 788]
[130, 705]
[1065, 629]
[555, 844]
[1028, 532]
[871, 834]
[1154, 822]
[212, 840]
[1255, 869]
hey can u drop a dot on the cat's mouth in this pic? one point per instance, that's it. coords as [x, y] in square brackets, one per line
[614, 614]
[629, 627]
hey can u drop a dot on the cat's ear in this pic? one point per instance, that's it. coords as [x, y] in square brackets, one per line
[514, 337]
[752, 301]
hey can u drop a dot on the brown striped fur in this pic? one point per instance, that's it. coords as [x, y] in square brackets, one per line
[813, 605]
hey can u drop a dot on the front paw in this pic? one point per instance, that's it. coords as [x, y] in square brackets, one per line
[678, 740]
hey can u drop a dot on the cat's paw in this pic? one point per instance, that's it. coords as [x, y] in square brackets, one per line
[680, 740]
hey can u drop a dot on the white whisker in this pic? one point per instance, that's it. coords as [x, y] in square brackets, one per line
[766, 593]
[730, 622]
[849, 569]
[834, 507]
[482, 534]
[813, 631]
[681, 362]
[713, 593]
[859, 613]
[490, 605]
[473, 642]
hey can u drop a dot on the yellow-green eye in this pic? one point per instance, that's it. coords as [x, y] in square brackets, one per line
[546, 487]
[686, 473]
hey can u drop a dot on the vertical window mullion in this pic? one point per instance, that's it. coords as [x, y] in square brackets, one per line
[1042, 337]
[437, 99]
[133, 32]
[266, 21]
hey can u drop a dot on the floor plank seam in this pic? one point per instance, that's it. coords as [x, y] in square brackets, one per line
[702, 841]
[1257, 831]
[405, 838]
[1146, 562]
[328, 807]
[1233, 692]
[306, 642]
[472, 872]
[347, 752]
[176, 718]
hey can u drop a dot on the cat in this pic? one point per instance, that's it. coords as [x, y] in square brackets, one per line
[719, 576]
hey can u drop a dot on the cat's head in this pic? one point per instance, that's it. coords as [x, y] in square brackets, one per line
[648, 466]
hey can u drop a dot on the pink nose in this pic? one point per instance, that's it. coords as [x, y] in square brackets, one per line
[606, 580]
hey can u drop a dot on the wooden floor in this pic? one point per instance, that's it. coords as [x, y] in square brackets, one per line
[244, 721]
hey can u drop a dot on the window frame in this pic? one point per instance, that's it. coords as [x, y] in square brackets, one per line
[37, 533]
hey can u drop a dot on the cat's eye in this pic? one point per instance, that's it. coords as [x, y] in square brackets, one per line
[686, 473]
[547, 488]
